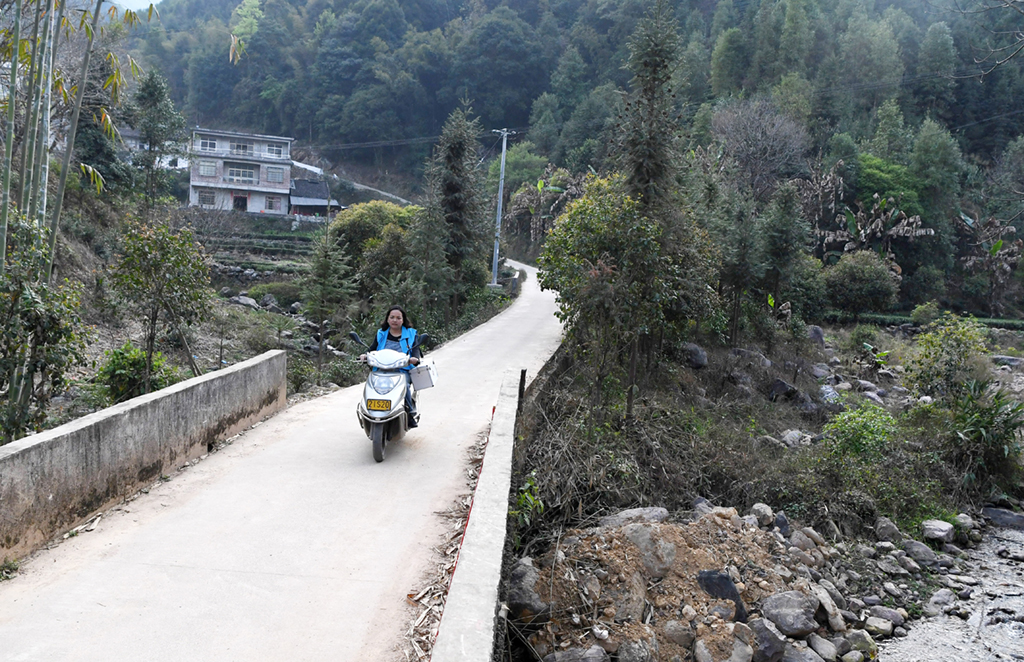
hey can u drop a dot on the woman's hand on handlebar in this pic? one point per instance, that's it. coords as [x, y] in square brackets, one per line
[413, 360]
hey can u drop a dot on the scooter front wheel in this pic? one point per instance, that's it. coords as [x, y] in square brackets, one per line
[380, 442]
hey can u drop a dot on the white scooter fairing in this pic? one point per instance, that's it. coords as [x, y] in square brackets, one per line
[383, 401]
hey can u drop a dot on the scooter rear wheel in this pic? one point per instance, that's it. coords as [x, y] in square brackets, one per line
[380, 442]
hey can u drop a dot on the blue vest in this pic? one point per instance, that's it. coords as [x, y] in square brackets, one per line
[406, 341]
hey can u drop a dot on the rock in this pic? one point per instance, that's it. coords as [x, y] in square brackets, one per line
[654, 514]
[781, 389]
[764, 514]
[678, 633]
[829, 394]
[794, 654]
[523, 600]
[268, 300]
[633, 651]
[794, 438]
[1012, 361]
[964, 521]
[861, 641]
[756, 359]
[919, 551]
[799, 539]
[835, 619]
[820, 371]
[226, 292]
[792, 612]
[701, 652]
[656, 555]
[767, 645]
[878, 627]
[1004, 517]
[865, 385]
[935, 529]
[782, 522]
[295, 308]
[899, 632]
[593, 654]
[873, 397]
[842, 646]
[892, 590]
[720, 585]
[844, 386]
[834, 593]
[702, 506]
[741, 651]
[695, 356]
[872, 600]
[244, 301]
[888, 614]
[853, 656]
[886, 529]
[628, 598]
[816, 335]
[890, 566]
[823, 647]
[909, 564]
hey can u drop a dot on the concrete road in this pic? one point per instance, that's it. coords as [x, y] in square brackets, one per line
[291, 544]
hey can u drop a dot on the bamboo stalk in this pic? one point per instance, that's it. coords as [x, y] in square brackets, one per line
[37, 110]
[42, 148]
[30, 114]
[9, 147]
[70, 146]
[44, 129]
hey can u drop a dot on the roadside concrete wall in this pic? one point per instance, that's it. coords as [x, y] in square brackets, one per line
[54, 480]
[466, 632]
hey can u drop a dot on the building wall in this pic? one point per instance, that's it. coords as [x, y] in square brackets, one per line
[211, 172]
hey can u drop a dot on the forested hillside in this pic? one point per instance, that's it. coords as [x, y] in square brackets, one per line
[335, 72]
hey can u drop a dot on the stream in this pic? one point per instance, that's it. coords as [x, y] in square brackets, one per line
[992, 629]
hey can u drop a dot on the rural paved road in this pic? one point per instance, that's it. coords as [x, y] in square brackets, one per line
[291, 544]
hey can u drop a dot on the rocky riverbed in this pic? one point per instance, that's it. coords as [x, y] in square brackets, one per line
[717, 587]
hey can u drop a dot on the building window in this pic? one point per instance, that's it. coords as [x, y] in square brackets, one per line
[242, 173]
[273, 203]
[275, 149]
[207, 199]
[241, 147]
[275, 175]
[207, 168]
[208, 144]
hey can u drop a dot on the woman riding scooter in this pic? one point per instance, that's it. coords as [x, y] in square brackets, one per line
[397, 333]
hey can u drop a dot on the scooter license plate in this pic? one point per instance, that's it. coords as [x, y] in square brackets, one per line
[378, 405]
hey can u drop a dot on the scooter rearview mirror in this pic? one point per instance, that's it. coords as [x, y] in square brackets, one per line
[355, 336]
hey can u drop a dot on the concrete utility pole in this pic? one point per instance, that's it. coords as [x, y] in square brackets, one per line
[505, 133]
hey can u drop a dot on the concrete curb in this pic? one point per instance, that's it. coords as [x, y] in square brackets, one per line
[466, 632]
[56, 479]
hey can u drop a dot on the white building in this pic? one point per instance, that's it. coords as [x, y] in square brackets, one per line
[241, 171]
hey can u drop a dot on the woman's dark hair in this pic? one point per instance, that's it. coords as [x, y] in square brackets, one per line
[405, 318]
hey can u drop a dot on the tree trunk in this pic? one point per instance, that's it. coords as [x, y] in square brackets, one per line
[5, 201]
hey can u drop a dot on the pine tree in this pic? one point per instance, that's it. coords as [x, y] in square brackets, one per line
[456, 183]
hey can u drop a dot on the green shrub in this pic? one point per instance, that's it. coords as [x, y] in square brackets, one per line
[123, 373]
[926, 313]
[865, 431]
[862, 334]
[286, 293]
[987, 426]
[945, 357]
[861, 282]
[301, 373]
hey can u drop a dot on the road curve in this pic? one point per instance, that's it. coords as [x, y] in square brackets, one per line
[291, 544]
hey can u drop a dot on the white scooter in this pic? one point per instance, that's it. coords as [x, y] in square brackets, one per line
[381, 411]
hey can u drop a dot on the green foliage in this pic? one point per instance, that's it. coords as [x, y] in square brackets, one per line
[529, 506]
[162, 129]
[161, 275]
[862, 334]
[8, 568]
[944, 357]
[861, 282]
[926, 313]
[123, 372]
[285, 292]
[865, 431]
[888, 180]
[987, 445]
[41, 333]
[522, 166]
[326, 289]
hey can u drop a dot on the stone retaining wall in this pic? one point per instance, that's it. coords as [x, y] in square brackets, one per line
[54, 480]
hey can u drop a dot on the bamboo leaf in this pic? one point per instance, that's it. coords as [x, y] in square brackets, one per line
[94, 176]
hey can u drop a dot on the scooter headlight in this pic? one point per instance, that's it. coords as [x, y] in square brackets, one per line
[382, 383]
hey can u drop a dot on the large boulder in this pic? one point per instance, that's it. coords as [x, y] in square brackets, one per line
[523, 600]
[1004, 517]
[792, 612]
[656, 555]
[634, 651]
[653, 514]
[936, 529]
[695, 356]
[767, 646]
[816, 335]
[886, 530]
[244, 301]
[920, 552]
[681, 634]
[781, 389]
[794, 654]
[764, 514]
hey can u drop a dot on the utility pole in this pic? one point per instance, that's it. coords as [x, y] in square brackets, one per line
[505, 133]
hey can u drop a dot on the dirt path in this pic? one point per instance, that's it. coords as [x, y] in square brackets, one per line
[291, 544]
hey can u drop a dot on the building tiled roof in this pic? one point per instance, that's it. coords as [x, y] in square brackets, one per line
[310, 189]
